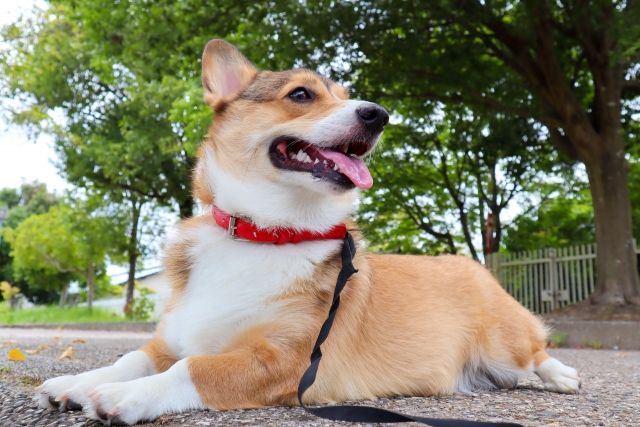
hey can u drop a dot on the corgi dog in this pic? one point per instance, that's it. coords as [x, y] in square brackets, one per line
[284, 160]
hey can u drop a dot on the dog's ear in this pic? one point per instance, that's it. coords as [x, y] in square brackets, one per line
[225, 71]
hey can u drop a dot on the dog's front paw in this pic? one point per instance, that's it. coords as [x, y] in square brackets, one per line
[121, 404]
[559, 377]
[64, 393]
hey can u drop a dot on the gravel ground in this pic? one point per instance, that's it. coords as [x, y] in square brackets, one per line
[610, 395]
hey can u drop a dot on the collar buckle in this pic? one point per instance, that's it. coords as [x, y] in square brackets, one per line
[231, 231]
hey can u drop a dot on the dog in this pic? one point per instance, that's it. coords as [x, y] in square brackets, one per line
[283, 161]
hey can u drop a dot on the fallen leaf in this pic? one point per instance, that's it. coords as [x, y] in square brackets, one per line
[67, 354]
[79, 340]
[57, 337]
[16, 355]
[621, 354]
[10, 342]
[37, 350]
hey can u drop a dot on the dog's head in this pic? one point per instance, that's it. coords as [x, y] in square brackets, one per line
[283, 144]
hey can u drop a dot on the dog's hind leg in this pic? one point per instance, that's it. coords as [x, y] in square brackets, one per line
[555, 375]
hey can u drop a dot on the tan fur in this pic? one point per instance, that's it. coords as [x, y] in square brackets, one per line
[407, 325]
[242, 117]
[176, 259]
[160, 353]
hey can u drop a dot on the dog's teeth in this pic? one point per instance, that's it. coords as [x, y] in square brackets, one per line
[300, 155]
[335, 167]
[307, 159]
[344, 148]
[316, 161]
[325, 162]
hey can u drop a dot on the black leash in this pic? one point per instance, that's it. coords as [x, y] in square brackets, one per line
[362, 414]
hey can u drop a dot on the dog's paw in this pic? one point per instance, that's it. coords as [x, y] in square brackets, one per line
[64, 393]
[122, 404]
[558, 377]
[71, 391]
[144, 399]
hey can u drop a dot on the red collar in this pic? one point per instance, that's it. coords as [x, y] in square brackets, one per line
[240, 229]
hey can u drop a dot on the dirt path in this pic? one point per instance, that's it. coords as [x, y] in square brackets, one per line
[610, 394]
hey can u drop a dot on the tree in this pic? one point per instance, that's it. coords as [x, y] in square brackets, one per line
[61, 240]
[566, 219]
[456, 167]
[569, 65]
[30, 199]
[123, 137]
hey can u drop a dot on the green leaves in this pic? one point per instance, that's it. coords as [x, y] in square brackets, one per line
[61, 240]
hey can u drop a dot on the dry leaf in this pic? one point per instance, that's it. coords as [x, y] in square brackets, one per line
[79, 340]
[621, 354]
[16, 355]
[37, 350]
[67, 354]
[10, 342]
[57, 337]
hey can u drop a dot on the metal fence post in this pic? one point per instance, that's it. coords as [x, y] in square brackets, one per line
[493, 263]
[553, 278]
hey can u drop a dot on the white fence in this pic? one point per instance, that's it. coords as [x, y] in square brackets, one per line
[115, 305]
[547, 279]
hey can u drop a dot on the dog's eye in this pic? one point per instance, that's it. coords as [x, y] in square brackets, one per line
[299, 95]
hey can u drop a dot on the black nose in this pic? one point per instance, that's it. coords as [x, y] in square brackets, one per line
[373, 117]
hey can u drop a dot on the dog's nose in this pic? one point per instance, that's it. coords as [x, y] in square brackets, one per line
[373, 117]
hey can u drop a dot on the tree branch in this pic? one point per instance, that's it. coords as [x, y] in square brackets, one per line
[563, 144]
[482, 101]
[446, 236]
[631, 87]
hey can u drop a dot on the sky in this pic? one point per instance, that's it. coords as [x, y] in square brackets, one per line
[22, 159]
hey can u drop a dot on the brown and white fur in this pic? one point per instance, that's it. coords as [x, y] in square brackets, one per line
[243, 317]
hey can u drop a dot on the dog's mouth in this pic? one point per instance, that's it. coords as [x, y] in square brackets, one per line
[339, 164]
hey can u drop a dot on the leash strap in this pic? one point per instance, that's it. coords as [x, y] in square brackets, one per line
[362, 414]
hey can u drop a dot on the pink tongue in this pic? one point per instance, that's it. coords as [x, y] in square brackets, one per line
[354, 168]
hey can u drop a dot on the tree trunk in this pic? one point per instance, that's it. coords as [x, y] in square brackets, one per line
[497, 230]
[133, 258]
[90, 276]
[63, 295]
[186, 207]
[616, 264]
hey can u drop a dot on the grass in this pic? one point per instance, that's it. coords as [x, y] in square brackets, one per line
[593, 344]
[55, 314]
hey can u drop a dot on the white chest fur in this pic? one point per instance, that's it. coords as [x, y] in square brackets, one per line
[232, 285]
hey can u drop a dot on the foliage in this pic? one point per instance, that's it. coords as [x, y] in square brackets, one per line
[124, 138]
[63, 240]
[453, 170]
[30, 199]
[121, 135]
[634, 190]
[56, 315]
[559, 338]
[596, 345]
[125, 76]
[572, 67]
[8, 291]
[565, 220]
[142, 308]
